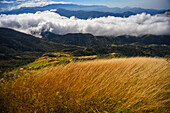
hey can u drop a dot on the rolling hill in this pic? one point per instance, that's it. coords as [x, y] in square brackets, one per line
[18, 41]
[17, 48]
[90, 40]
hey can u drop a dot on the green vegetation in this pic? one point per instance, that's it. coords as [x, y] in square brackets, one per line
[17, 49]
[88, 40]
[60, 58]
[126, 50]
[167, 57]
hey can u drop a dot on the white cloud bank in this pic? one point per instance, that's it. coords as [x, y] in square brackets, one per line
[136, 25]
[36, 3]
[6, 2]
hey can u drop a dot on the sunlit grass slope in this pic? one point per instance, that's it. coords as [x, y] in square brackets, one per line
[107, 86]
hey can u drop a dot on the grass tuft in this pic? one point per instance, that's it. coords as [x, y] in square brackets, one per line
[123, 85]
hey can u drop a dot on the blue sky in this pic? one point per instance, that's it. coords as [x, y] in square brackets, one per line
[151, 4]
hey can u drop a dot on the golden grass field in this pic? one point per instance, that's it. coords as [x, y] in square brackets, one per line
[120, 85]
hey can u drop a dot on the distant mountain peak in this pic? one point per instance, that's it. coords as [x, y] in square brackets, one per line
[75, 7]
[127, 7]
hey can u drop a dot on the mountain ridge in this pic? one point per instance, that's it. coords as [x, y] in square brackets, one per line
[86, 8]
[18, 48]
[89, 40]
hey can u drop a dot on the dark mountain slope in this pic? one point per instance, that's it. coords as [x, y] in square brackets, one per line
[23, 42]
[129, 46]
[143, 40]
[89, 40]
[91, 14]
[78, 39]
[155, 39]
[18, 48]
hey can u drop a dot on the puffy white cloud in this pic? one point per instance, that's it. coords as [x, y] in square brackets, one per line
[35, 3]
[53, 10]
[20, 0]
[136, 25]
[39, 3]
[6, 2]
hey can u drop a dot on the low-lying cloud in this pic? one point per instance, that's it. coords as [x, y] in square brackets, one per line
[35, 3]
[39, 3]
[136, 25]
[6, 2]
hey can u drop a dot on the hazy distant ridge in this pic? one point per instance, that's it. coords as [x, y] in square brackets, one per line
[87, 9]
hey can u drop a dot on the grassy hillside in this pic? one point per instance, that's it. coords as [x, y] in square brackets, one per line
[108, 86]
[18, 48]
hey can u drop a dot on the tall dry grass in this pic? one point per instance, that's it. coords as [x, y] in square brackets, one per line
[106, 86]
